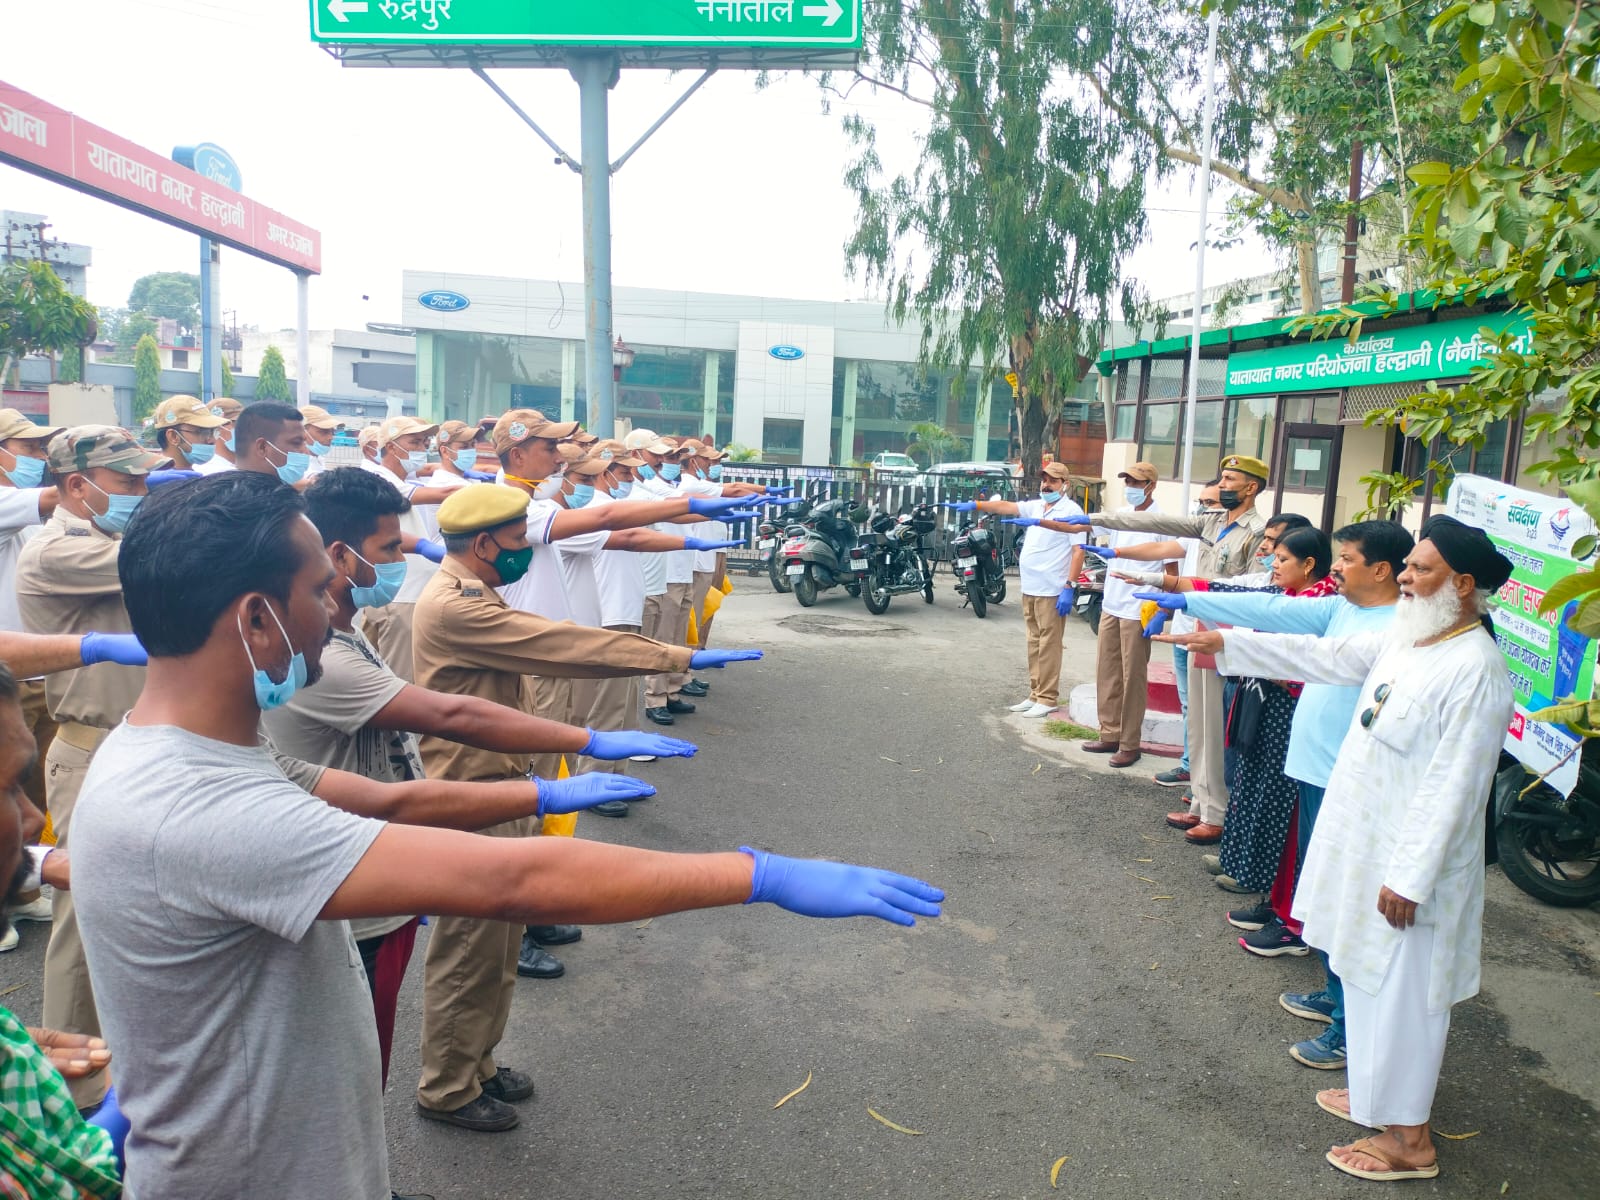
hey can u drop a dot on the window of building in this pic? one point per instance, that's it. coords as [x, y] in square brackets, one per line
[385, 377]
[1159, 445]
[1311, 410]
[1207, 438]
[480, 374]
[665, 390]
[366, 354]
[1126, 420]
[781, 440]
[1251, 426]
[1253, 298]
[180, 360]
[1165, 378]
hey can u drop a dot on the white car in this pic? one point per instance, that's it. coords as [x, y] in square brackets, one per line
[900, 464]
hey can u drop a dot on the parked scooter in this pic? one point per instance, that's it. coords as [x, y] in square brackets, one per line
[892, 560]
[771, 536]
[1546, 843]
[979, 566]
[819, 558]
[1091, 587]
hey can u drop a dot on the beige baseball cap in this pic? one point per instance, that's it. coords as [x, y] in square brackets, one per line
[15, 424]
[521, 424]
[638, 439]
[397, 427]
[321, 418]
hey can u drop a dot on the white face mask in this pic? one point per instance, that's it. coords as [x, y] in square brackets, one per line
[549, 488]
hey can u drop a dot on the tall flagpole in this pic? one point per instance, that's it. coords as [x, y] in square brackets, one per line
[1192, 406]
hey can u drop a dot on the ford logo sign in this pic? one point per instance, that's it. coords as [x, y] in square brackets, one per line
[444, 301]
[212, 162]
[787, 353]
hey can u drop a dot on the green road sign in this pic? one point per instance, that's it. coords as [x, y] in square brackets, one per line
[712, 24]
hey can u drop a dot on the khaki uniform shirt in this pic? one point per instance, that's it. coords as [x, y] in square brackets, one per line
[1227, 545]
[468, 641]
[67, 583]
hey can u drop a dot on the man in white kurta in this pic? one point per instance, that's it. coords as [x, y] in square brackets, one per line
[1392, 887]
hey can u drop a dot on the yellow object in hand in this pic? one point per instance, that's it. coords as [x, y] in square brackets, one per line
[1148, 609]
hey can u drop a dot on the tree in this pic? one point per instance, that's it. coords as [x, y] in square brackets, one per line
[130, 328]
[271, 381]
[173, 295]
[227, 379]
[146, 378]
[740, 454]
[1005, 242]
[932, 442]
[38, 315]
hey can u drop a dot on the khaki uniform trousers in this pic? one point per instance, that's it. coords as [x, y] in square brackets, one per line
[717, 577]
[1121, 680]
[36, 716]
[468, 978]
[1045, 630]
[704, 581]
[673, 628]
[1207, 725]
[609, 705]
[553, 699]
[68, 995]
[389, 631]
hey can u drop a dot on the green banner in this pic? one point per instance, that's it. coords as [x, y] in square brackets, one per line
[1418, 352]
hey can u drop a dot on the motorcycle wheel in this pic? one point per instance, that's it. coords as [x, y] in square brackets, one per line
[853, 588]
[875, 596]
[997, 593]
[805, 589]
[927, 587]
[1560, 872]
[980, 604]
[776, 572]
[1091, 614]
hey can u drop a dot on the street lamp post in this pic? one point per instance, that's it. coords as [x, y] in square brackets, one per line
[621, 359]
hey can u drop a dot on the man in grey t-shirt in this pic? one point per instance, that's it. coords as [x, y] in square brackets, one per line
[214, 894]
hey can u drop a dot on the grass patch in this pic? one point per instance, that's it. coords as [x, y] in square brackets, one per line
[1067, 731]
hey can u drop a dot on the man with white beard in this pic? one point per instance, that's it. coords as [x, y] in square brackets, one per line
[1392, 888]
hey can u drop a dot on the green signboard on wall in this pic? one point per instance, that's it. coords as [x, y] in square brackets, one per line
[1416, 353]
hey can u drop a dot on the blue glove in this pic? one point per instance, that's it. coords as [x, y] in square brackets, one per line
[828, 889]
[733, 518]
[780, 501]
[1158, 622]
[432, 551]
[780, 491]
[1065, 601]
[121, 648]
[694, 543]
[614, 747]
[558, 796]
[1025, 522]
[962, 505]
[718, 508]
[477, 477]
[702, 660]
[1171, 601]
[1105, 552]
[1075, 519]
[159, 479]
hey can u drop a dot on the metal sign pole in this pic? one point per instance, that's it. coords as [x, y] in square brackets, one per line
[1191, 408]
[302, 341]
[596, 75]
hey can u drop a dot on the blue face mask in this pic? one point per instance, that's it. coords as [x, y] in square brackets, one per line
[27, 472]
[416, 460]
[232, 449]
[1134, 496]
[197, 454]
[295, 465]
[270, 695]
[318, 448]
[580, 495]
[466, 460]
[716, 471]
[647, 472]
[388, 577]
[699, 474]
[671, 471]
[622, 492]
[119, 509]
[1050, 497]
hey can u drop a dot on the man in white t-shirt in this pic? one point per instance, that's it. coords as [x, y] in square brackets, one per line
[1049, 564]
[320, 425]
[227, 410]
[186, 432]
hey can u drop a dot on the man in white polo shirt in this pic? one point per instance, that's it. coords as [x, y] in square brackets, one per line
[320, 427]
[227, 410]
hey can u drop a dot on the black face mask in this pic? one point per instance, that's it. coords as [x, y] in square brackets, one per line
[1229, 498]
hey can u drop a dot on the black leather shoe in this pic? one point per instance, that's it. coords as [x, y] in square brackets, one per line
[696, 687]
[610, 808]
[409, 1196]
[508, 1086]
[483, 1115]
[555, 935]
[534, 963]
[661, 716]
[679, 706]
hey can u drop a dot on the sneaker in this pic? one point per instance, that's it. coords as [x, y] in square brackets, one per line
[1023, 707]
[35, 910]
[1312, 1006]
[483, 1115]
[609, 808]
[1253, 918]
[508, 1086]
[1213, 863]
[696, 687]
[641, 758]
[1038, 710]
[1324, 1052]
[1273, 941]
[1229, 884]
[10, 939]
[1176, 777]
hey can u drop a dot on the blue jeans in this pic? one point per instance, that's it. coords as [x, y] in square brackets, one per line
[1180, 667]
[1310, 805]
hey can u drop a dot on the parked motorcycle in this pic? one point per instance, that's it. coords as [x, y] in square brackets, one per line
[819, 557]
[1548, 844]
[1091, 591]
[891, 560]
[979, 565]
[771, 535]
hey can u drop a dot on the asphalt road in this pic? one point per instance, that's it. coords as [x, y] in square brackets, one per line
[1077, 928]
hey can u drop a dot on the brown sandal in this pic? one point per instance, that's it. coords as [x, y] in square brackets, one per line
[1343, 1113]
[1390, 1173]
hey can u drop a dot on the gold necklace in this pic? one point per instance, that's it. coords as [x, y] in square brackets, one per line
[1476, 624]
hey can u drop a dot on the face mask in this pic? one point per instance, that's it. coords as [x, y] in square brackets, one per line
[196, 455]
[1265, 561]
[319, 449]
[699, 474]
[622, 492]
[512, 565]
[385, 586]
[647, 472]
[466, 460]
[1229, 498]
[671, 471]
[582, 493]
[295, 464]
[1050, 497]
[1134, 496]
[232, 449]
[716, 471]
[27, 472]
[119, 509]
[548, 489]
[416, 460]
[270, 695]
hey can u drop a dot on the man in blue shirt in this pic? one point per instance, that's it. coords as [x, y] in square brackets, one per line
[1370, 557]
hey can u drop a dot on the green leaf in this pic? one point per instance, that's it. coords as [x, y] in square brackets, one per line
[1557, 12]
[1587, 619]
[1585, 98]
[1342, 51]
[1584, 546]
[1586, 495]
[1563, 591]
[1481, 13]
[1430, 174]
[1562, 714]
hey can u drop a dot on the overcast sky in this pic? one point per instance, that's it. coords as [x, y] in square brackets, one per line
[740, 192]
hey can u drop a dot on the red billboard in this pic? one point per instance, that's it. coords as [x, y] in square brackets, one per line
[51, 142]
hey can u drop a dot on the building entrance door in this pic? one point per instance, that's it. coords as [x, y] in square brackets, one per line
[1309, 461]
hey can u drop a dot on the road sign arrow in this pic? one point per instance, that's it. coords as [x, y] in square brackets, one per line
[833, 10]
[340, 10]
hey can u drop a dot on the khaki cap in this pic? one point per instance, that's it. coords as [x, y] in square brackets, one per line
[481, 506]
[397, 427]
[692, 447]
[14, 424]
[590, 466]
[638, 439]
[584, 438]
[186, 410]
[571, 452]
[449, 431]
[226, 408]
[321, 418]
[368, 436]
[1141, 473]
[522, 424]
[85, 447]
[1057, 470]
[613, 453]
[1245, 464]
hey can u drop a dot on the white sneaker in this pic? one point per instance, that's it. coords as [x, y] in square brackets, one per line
[36, 910]
[1023, 707]
[10, 940]
[1038, 710]
[641, 758]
